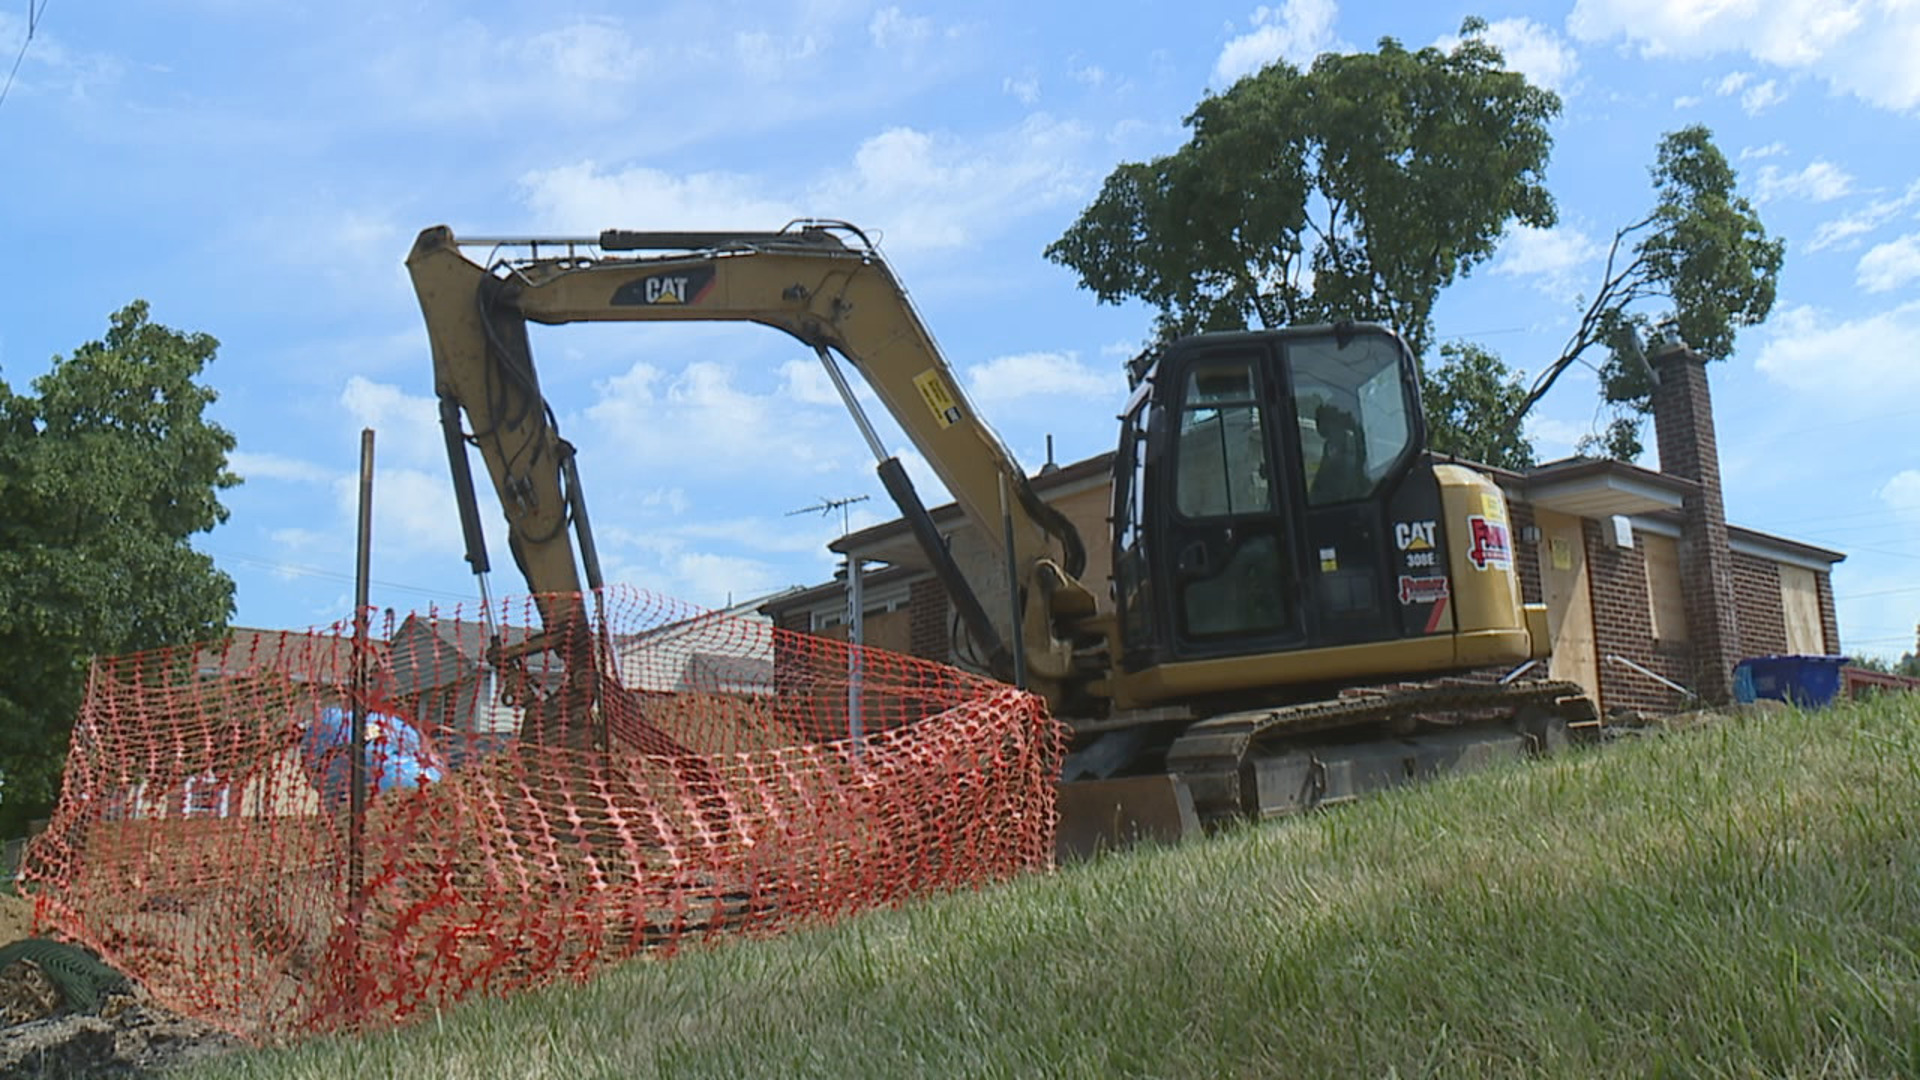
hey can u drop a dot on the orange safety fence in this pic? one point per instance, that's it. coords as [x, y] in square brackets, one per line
[538, 803]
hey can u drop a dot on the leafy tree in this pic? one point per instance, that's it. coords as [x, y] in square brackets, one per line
[1467, 398]
[1356, 189]
[106, 470]
[1700, 263]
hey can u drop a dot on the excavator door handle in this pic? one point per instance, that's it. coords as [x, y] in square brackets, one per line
[1193, 560]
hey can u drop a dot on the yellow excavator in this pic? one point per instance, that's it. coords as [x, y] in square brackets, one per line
[1296, 590]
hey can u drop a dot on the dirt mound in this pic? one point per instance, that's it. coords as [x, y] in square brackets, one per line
[16, 918]
[132, 1038]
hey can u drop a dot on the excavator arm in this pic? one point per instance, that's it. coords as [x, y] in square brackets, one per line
[807, 281]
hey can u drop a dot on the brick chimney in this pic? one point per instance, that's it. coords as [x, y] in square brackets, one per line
[1683, 424]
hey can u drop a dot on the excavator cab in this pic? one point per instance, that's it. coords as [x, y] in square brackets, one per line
[1277, 521]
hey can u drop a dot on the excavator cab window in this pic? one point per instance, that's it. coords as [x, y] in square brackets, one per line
[1259, 517]
[1230, 571]
[1132, 573]
[1351, 402]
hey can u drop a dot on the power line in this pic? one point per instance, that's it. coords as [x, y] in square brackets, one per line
[330, 575]
[33, 23]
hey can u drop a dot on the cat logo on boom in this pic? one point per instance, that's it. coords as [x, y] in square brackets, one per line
[680, 287]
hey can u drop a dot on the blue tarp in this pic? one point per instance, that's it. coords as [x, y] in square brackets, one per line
[396, 754]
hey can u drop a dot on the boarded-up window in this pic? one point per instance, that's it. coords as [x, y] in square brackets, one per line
[889, 630]
[1666, 605]
[1800, 609]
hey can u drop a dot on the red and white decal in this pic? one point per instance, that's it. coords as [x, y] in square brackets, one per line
[1492, 547]
[1423, 590]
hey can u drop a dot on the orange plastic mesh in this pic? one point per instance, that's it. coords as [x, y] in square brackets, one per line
[652, 775]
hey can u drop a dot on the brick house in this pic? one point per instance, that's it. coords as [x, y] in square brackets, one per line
[1647, 585]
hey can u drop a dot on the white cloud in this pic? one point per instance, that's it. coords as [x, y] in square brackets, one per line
[1843, 360]
[1296, 32]
[698, 421]
[1552, 257]
[1685, 101]
[932, 190]
[922, 190]
[1761, 96]
[767, 56]
[50, 66]
[1535, 51]
[1025, 89]
[1890, 265]
[1864, 49]
[1841, 231]
[254, 467]
[891, 29]
[406, 426]
[1037, 374]
[1553, 438]
[1821, 181]
[414, 512]
[581, 198]
[1901, 494]
[1531, 49]
[1755, 97]
[806, 381]
[712, 579]
[1089, 75]
[589, 51]
[1758, 153]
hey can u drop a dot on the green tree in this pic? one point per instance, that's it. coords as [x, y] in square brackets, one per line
[1700, 264]
[106, 471]
[1356, 189]
[1467, 398]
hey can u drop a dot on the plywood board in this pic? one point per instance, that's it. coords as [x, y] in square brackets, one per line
[1563, 579]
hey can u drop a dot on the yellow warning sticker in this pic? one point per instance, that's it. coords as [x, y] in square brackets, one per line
[1493, 506]
[934, 393]
[1329, 560]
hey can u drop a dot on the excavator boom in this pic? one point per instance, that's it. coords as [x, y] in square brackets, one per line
[808, 281]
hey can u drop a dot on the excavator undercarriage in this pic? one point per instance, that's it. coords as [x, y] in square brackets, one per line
[1271, 762]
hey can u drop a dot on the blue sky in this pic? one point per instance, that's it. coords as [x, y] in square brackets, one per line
[258, 170]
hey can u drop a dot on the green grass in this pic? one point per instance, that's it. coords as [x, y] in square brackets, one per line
[1737, 900]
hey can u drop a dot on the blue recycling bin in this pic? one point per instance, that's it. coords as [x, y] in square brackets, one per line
[1807, 681]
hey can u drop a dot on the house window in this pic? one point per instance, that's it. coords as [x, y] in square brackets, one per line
[1666, 604]
[1800, 610]
[205, 796]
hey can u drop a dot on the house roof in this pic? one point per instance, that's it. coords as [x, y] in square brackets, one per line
[304, 656]
[1582, 487]
[720, 671]
[1595, 487]
[892, 541]
[470, 639]
[1753, 542]
[801, 599]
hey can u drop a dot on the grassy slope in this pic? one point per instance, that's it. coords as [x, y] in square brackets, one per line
[1738, 900]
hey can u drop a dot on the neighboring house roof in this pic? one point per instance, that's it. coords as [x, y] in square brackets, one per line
[302, 655]
[431, 652]
[1582, 487]
[836, 590]
[718, 671]
[889, 534]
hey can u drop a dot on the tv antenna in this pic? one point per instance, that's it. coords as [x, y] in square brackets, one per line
[827, 506]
